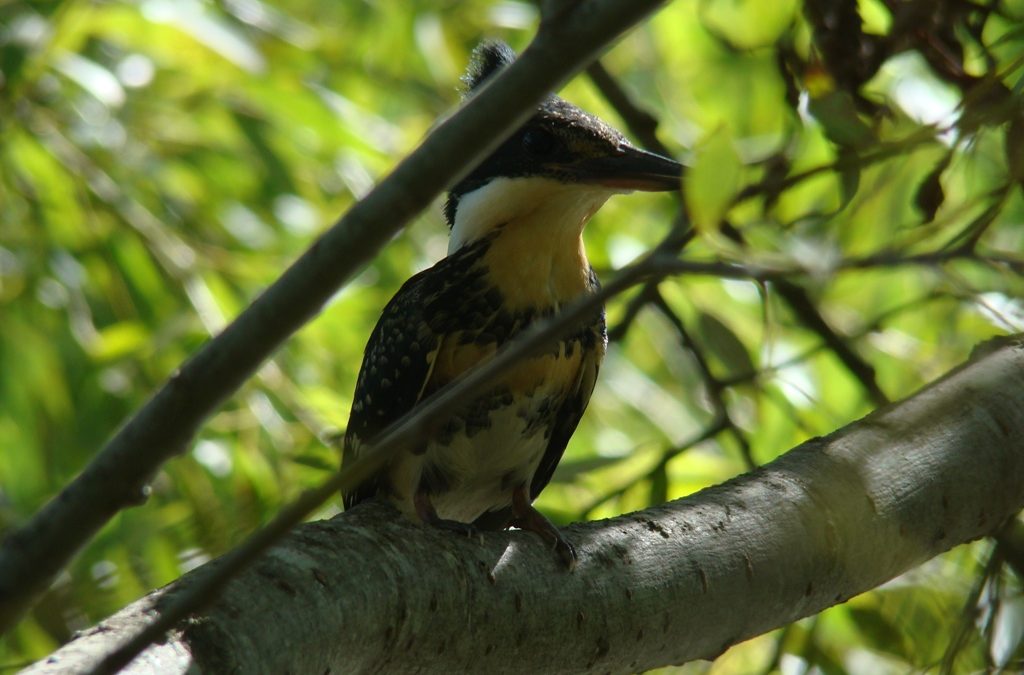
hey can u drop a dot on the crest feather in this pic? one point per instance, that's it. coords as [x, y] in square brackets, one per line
[489, 57]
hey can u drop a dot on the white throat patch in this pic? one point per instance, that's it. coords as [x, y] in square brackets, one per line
[560, 208]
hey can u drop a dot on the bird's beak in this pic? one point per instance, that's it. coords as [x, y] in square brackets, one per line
[630, 169]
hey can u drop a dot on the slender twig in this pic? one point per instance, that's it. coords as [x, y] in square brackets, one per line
[883, 152]
[712, 383]
[965, 624]
[663, 266]
[641, 123]
[876, 323]
[706, 434]
[809, 315]
[633, 307]
[643, 126]
[968, 238]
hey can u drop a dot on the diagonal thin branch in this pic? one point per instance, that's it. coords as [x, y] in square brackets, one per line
[642, 125]
[32, 555]
[712, 384]
[811, 317]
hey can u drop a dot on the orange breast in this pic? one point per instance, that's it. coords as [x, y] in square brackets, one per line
[557, 371]
[537, 271]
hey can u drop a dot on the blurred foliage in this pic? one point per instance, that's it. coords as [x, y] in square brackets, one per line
[162, 161]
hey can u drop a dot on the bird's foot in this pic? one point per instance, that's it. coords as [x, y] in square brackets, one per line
[529, 518]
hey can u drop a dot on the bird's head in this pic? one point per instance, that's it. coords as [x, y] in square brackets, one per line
[564, 161]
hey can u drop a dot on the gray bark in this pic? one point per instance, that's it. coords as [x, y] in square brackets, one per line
[367, 592]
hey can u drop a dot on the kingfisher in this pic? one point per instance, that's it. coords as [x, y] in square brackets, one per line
[515, 256]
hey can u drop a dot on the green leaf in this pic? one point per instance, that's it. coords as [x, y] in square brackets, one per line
[838, 115]
[721, 341]
[882, 634]
[119, 340]
[1014, 147]
[711, 184]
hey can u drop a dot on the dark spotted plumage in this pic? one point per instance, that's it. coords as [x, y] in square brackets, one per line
[516, 256]
[454, 299]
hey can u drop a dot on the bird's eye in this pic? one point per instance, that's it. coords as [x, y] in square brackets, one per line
[538, 142]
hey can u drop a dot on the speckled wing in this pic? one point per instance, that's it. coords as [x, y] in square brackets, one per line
[396, 368]
[594, 341]
[437, 305]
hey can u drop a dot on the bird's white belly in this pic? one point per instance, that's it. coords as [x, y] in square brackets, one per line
[488, 465]
[475, 467]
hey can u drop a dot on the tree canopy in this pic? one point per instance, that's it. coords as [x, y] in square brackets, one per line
[858, 164]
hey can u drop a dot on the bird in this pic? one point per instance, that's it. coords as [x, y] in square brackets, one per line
[515, 256]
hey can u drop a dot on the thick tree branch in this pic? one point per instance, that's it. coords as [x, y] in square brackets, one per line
[837, 516]
[31, 556]
[204, 589]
